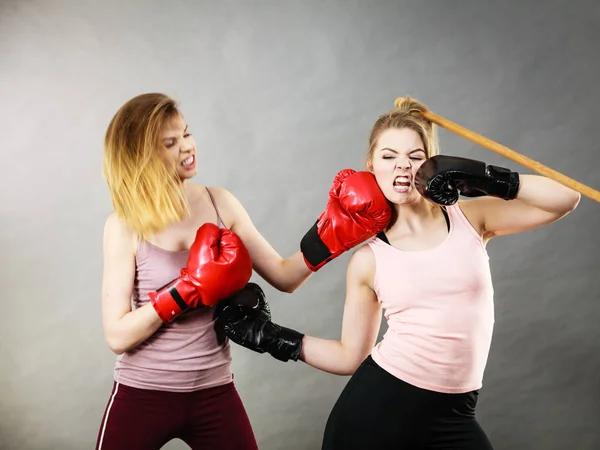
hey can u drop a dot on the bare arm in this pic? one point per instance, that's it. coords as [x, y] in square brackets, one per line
[540, 201]
[284, 274]
[360, 325]
[124, 329]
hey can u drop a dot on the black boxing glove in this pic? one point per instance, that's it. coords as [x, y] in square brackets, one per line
[442, 179]
[245, 318]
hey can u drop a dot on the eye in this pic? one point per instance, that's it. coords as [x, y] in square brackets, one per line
[387, 157]
[187, 135]
[417, 158]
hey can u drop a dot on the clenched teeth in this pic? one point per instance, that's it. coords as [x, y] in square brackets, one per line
[401, 180]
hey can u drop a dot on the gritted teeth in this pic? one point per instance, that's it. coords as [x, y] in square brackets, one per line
[402, 180]
[187, 161]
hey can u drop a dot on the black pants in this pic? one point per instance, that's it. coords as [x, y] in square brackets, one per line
[377, 411]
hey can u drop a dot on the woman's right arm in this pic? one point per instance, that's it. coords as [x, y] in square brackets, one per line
[246, 320]
[124, 329]
[360, 324]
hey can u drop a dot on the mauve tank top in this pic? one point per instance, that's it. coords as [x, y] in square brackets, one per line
[184, 355]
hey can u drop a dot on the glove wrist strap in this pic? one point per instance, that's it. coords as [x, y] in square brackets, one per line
[505, 182]
[288, 345]
[168, 302]
[315, 252]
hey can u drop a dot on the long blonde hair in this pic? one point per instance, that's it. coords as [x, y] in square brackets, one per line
[407, 114]
[145, 190]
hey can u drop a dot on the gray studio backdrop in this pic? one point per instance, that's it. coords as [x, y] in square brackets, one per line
[280, 96]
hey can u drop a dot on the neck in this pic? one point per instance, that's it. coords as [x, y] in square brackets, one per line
[188, 194]
[412, 215]
[184, 186]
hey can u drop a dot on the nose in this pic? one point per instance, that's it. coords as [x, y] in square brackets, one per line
[185, 146]
[403, 163]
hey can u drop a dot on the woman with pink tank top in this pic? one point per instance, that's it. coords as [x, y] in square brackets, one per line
[429, 272]
[172, 250]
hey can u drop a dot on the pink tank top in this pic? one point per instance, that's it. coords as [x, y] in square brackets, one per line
[184, 355]
[439, 308]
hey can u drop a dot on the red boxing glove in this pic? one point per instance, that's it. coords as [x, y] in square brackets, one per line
[218, 266]
[356, 211]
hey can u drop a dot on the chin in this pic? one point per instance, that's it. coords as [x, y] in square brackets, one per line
[187, 175]
[403, 198]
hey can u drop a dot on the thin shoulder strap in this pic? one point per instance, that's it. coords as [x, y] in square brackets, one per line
[384, 238]
[445, 211]
[381, 235]
[220, 222]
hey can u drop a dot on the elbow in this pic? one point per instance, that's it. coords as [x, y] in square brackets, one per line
[563, 203]
[116, 344]
[351, 368]
[284, 288]
[569, 199]
[288, 289]
[352, 364]
[569, 203]
[348, 372]
[573, 202]
[116, 347]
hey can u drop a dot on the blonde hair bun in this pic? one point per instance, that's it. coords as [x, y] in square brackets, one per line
[409, 105]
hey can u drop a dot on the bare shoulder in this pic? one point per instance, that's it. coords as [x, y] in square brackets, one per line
[223, 195]
[114, 226]
[195, 191]
[118, 235]
[363, 255]
[230, 208]
[361, 267]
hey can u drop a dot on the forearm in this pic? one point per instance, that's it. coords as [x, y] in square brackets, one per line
[547, 195]
[133, 329]
[329, 356]
[292, 274]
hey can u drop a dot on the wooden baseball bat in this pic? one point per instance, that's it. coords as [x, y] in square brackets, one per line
[510, 154]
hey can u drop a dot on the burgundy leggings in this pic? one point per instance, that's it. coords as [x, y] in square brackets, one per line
[140, 419]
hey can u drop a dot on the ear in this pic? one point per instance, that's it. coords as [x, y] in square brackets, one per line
[369, 165]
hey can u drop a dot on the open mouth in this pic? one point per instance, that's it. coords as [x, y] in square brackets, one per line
[402, 183]
[189, 161]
